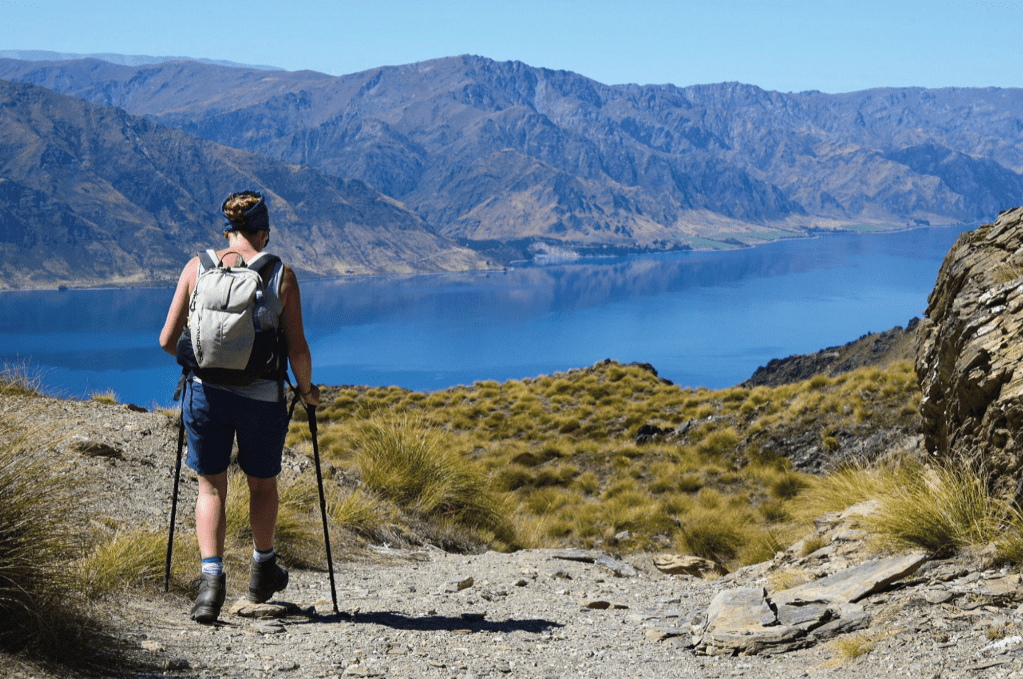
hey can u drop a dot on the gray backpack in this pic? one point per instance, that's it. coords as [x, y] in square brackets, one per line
[232, 336]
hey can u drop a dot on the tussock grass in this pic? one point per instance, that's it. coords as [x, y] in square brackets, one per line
[851, 646]
[135, 558]
[108, 397]
[19, 379]
[712, 533]
[43, 611]
[414, 465]
[943, 508]
[558, 453]
[359, 511]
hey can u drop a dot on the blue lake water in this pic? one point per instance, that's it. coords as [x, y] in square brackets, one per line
[700, 318]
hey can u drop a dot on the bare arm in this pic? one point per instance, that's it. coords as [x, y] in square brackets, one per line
[178, 312]
[294, 334]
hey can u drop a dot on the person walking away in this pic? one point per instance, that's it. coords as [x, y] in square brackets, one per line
[220, 405]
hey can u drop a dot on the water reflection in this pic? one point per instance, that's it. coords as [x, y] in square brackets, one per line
[699, 318]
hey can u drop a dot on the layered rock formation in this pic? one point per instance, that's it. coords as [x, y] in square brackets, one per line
[968, 361]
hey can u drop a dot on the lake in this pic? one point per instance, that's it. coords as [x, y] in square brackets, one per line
[700, 318]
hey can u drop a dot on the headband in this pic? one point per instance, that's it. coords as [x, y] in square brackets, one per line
[256, 218]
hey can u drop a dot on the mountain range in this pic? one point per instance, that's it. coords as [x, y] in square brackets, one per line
[90, 195]
[506, 161]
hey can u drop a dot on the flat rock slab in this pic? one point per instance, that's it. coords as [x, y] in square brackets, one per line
[681, 564]
[619, 569]
[247, 609]
[733, 625]
[855, 583]
[1007, 586]
[581, 555]
[804, 617]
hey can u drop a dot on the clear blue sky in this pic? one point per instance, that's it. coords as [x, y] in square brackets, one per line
[786, 45]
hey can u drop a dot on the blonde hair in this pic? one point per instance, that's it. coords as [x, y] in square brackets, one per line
[236, 206]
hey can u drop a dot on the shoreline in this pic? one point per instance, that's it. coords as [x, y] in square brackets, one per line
[580, 259]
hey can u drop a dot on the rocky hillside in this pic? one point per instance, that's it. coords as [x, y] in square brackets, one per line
[501, 152]
[90, 195]
[969, 358]
[877, 348]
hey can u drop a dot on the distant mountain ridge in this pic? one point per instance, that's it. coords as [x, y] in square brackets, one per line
[484, 150]
[121, 59]
[516, 161]
[91, 195]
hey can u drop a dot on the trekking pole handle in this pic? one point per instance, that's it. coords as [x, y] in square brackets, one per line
[310, 410]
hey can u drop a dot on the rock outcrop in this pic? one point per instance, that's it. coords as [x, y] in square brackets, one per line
[968, 361]
[877, 348]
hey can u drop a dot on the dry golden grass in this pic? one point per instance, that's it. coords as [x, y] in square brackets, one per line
[108, 397]
[552, 448]
[135, 558]
[43, 611]
[851, 646]
[943, 508]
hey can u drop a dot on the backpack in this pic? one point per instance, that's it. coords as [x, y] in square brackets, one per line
[232, 336]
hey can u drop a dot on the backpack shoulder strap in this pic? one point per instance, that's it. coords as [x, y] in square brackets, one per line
[261, 261]
[209, 259]
[263, 264]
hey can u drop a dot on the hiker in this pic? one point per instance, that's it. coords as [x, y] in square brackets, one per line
[218, 405]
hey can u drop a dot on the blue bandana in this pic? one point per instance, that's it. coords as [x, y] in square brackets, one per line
[256, 218]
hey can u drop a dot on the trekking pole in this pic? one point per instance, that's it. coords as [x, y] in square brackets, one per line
[311, 412]
[174, 496]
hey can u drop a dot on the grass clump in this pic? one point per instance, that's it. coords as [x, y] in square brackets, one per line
[129, 558]
[712, 534]
[108, 397]
[410, 463]
[358, 511]
[43, 612]
[18, 379]
[944, 508]
[851, 646]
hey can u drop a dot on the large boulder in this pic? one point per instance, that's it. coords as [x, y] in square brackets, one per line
[968, 360]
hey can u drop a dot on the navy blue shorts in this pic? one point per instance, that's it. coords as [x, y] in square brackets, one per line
[212, 419]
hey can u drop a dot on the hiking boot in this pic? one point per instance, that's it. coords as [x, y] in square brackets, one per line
[212, 592]
[266, 579]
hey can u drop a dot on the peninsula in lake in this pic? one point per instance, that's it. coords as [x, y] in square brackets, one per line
[112, 173]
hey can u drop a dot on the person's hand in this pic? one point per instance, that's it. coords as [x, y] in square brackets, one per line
[311, 397]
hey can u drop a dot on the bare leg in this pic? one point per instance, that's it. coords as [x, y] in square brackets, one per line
[263, 503]
[210, 514]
